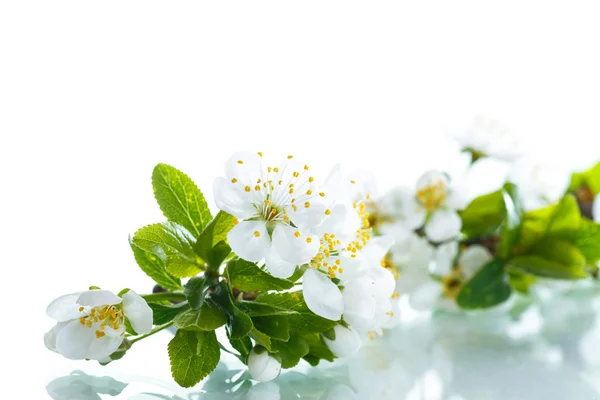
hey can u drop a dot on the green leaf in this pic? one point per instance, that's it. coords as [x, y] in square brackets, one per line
[248, 277]
[196, 290]
[180, 199]
[255, 309]
[162, 313]
[276, 327]
[539, 266]
[511, 227]
[212, 244]
[291, 351]
[560, 251]
[207, 318]
[483, 215]
[155, 268]
[261, 338]
[193, 355]
[318, 350]
[487, 288]
[520, 281]
[242, 345]
[587, 240]
[238, 322]
[173, 245]
[593, 178]
[305, 320]
[565, 219]
[128, 328]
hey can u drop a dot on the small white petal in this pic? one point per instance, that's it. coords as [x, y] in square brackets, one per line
[596, 209]
[347, 341]
[383, 282]
[65, 308]
[342, 221]
[293, 246]
[410, 279]
[138, 312]
[376, 249]
[400, 204]
[359, 304]
[262, 366]
[50, 336]
[473, 258]
[249, 240]
[322, 296]
[443, 225]
[244, 166]
[277, 266]
[233, 199]
[78, 342]
[444, 257]
[427, 296]
[308, 218]
[95, 298]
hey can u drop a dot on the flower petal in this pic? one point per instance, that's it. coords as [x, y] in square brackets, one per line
[444, 258]
[596, 209]
[359, 304]
[262, 366]
[382, 281]
[443, 225]
[342, 221]
[401, 205]
[95, 298]
[277, 266]
[322, 296]
[245, 167]
[410, 279]
[50, 336]
[426, 297]
[232, 198]
[137, 312]
[293, 246]
[249, 240]
[78, 342]
[376, 249]
[65, 308]
[473, 258]
[347, 341]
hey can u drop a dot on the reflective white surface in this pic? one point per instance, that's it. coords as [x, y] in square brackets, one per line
[551, 352]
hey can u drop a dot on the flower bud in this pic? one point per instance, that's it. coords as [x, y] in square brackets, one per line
[263, 366]
[346, 341]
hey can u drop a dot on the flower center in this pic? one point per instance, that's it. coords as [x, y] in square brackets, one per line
[111, 316]
[432, 196]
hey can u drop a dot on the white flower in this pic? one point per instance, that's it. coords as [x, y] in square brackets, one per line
[432, 292]
[278, 208]
[347, 341]
[488, 137]
[596, 209]
[540, 182]
[263, 366]
[91, 325]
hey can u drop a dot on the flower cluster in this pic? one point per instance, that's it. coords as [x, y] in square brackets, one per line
[297, 266]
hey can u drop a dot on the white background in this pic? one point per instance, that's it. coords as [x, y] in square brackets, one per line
[94, 94]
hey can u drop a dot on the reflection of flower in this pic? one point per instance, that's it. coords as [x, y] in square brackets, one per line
[91, 325]
[80, 386]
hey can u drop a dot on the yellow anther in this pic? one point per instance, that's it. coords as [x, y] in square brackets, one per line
[233, 180]
[322, 194]
[341, 270]
[280, 182]
[293, 201]
[260, 153]
[99, 334]
[327, 212]
[269, 169]
[257, 188]
[240, 162]
[291, 191]
[395, 295]
[80, 309]
[297, 234]
[291, 185]
[286, 218]
[306, 167]
[308, 240]
[247, 189]
[88, 323]
[352, 181]
[276, 170]
[294, 207]
[82, 320]
[236, 221]
[289, 157]
[338, 261]
[309, 192]
[256, 233]
[390, 313]
[311, 179]
[296, 174]
[306, 204]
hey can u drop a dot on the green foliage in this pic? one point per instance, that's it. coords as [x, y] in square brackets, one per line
[242, 345]
[248, 277]
[276, 327]
[511, 227]
[589, 178]
[256, 309]
[239, 323]
[212, 244]
[173, 245]
[193, 355]
[587, 240]
[261, 338]
[483, 215]
[548, 268]
[155, 268]
[196, 290]
[318, 350]
[487, 288]
[163, 313]
[206, 318]
[180, 199]
[520, 281]
[291, 351]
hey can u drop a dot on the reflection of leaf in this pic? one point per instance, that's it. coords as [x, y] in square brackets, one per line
[80, 386]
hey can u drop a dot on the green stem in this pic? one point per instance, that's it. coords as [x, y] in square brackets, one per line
[152, 332]
[239, 357]
[164, 296]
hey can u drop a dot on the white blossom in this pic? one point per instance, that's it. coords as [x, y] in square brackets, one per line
[487, 137]
[263, 366]
[347, 341]
[91, 324]
[276, 208]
